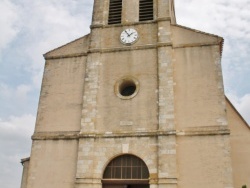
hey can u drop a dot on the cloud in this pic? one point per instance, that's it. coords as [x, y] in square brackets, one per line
[222, 17]
[5, 91]
[52, 24]
[13, 127]
[14, 100]
[22, 92]
[15, 143]
[8, 21]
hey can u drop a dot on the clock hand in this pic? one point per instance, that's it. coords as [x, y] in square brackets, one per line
[131, 34]
[127, 33]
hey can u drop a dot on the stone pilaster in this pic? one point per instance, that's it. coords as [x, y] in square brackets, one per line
[100, 12]
[167, 169]
[222, 119]
[89, 112]
[166, 91]
[167, 165]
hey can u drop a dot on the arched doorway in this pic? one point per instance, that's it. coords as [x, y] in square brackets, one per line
[126, 171]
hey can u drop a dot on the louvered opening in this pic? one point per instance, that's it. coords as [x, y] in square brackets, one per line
[146, 10]
[115, 12]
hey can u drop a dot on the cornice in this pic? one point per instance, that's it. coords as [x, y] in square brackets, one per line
[195, 131]
[196, 45]
[101, 26]
[131, 48]
[66, 56]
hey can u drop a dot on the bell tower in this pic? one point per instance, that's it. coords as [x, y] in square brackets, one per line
[130, 12]
[128, 102]
[138, 102]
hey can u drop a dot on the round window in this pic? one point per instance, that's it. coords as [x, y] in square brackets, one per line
[127, 87]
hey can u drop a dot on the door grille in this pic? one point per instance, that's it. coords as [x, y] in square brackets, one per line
[126, 167]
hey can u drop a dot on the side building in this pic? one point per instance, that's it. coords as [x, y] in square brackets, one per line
[137, 103]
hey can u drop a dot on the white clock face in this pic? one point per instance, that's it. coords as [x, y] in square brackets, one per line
[129, 36]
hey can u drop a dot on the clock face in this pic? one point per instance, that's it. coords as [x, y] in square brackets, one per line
[129, 36]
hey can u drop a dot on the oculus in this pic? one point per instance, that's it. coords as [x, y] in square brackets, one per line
[126, 87]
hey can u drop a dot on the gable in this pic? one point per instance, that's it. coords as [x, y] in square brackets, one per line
[75, 48]
[236, 122]
[185, 37]
[239, 142]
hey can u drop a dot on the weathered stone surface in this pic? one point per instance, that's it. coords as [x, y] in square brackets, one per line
[177, 122]
[61, 95]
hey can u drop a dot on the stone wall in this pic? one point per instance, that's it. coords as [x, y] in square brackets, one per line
[60, 101]
[239, 140]
[53, 164]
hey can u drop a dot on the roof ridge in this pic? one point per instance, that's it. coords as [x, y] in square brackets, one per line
[202, 32]
[198, 31]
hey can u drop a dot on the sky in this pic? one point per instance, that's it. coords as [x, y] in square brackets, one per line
[31, 28]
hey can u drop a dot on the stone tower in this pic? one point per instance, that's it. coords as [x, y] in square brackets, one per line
[138, 102]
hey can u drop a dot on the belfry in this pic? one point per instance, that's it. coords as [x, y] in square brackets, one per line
[137, 103]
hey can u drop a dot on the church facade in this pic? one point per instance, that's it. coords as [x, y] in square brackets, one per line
[138, 102]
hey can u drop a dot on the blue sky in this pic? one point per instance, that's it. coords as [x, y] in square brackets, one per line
[31, 28]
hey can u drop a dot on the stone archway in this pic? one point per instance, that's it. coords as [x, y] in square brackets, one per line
[126, 171]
